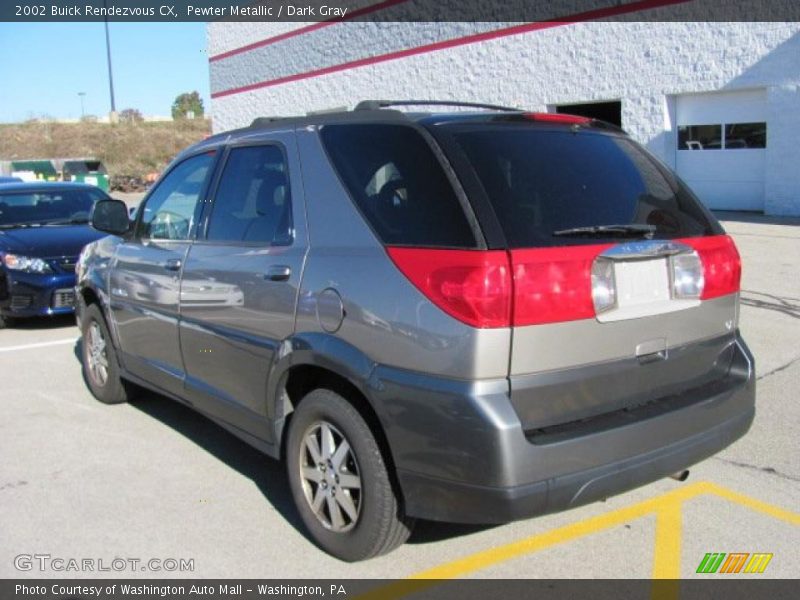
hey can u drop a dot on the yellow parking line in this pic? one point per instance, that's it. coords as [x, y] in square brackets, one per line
[753, 504]
[481, 560]
[667, 554]
[666, 559]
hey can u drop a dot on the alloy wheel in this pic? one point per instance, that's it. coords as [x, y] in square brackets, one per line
[331, 477]
[96, 355]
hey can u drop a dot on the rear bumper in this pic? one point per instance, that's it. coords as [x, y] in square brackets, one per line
[32, 295]
[467, 459]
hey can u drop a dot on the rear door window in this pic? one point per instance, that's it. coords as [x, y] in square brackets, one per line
[398, 185]
[540, 181]
[253, 201]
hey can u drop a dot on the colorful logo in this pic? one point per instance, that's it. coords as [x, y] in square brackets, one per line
[736, 562]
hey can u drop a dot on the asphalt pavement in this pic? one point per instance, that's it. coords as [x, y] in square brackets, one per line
[153, 480]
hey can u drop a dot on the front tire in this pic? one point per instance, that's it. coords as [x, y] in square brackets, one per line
[99, 357]
[340, 481]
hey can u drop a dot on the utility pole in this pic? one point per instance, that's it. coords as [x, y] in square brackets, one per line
[82, 95]
[112, 117]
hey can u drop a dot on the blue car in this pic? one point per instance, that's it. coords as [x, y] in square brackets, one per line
[43, 227]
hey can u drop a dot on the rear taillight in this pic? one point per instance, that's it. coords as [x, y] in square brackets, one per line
[722, 266]
[686, 276]
[472, 286]
[554, 284]
[551, 285]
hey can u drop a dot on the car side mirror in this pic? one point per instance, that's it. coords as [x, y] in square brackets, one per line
[111, 216]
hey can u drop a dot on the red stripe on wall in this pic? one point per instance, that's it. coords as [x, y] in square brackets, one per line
[307, 29]
[455, 42]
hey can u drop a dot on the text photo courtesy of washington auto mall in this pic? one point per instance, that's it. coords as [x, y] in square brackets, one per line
[393, 299]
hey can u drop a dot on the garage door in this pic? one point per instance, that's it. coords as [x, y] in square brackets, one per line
[721, 147]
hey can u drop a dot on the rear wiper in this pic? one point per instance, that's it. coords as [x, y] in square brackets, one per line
[632, 229]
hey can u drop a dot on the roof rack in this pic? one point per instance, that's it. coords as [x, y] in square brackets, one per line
[378, 104]
[262, 121]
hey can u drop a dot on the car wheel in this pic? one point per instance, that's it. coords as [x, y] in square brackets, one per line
[340, 482]
[6, 322]
[100, 366]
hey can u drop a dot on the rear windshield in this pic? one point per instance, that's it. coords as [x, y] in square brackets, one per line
[541, 181]
[398, 184]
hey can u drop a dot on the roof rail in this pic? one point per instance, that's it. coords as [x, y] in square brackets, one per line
[378, 104]
[326, 111]
[262, 121]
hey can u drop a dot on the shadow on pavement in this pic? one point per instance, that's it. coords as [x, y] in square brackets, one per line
[427, 532]
[38, 323]
[268, 474]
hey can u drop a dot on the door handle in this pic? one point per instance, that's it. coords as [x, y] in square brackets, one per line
[173, 264]
[278, 273]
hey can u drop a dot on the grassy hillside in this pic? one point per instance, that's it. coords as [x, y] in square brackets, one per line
[126, 149]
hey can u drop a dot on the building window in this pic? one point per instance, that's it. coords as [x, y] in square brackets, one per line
[745, 135]
[699, 137]
[710, 137]
[611, 112]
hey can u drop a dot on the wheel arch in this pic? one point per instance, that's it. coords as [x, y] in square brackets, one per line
[314, 361]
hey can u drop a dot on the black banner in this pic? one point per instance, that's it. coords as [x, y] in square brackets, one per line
[731, 587]
[398, 10]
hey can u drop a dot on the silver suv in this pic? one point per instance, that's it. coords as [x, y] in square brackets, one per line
[474, 316]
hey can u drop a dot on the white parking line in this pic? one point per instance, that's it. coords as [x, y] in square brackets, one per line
[39, 345]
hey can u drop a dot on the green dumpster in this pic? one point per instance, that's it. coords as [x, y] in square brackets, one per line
[86, 171]
[41, 169]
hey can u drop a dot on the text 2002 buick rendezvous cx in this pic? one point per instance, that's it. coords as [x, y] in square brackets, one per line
[475, 316]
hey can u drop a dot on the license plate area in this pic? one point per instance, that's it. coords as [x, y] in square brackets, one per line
[63, 298]
[643, 289]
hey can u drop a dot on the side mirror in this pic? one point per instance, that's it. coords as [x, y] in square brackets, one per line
[111, 216]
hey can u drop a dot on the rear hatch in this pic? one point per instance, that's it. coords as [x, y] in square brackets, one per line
[625, 289]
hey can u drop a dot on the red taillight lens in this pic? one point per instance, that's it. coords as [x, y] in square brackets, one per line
[553, 284]
[722, 266]
[548, 285]
[472, 286]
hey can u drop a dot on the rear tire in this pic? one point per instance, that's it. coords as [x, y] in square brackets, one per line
[331, 450]
[6, 322]
[99, 357]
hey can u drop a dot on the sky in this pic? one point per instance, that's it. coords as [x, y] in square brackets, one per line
[45, 65]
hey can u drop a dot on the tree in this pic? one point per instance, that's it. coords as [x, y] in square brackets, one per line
[131, 116]
[185, 103]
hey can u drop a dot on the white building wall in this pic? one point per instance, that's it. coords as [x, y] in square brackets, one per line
[643, 64]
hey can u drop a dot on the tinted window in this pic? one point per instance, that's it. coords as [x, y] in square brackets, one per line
[398, 184]
[745, 135]
[544, 180]
[253, 200]
[171, 209]
[63, 206]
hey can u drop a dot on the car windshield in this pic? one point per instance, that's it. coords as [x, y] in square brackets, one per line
[57, 207]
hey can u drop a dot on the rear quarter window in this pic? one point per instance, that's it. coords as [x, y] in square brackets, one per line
[540, 181]
[398, 184]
